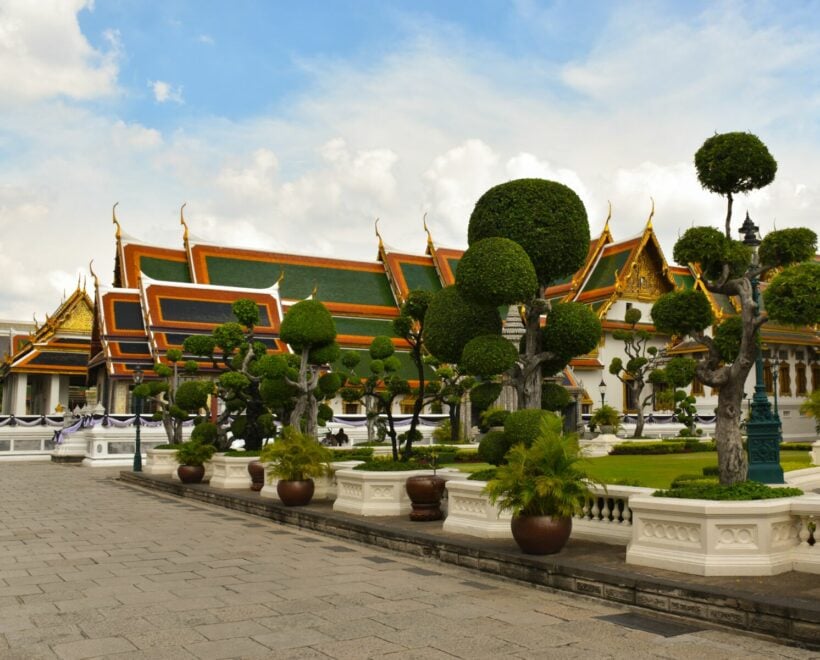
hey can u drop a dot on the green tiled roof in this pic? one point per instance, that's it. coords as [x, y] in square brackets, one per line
[605, 269]
[686, 282]
[165, 269]
[597, 305]
[453, 261]
[334, 284]
[346, 325]
[421, 277]
[408, 369]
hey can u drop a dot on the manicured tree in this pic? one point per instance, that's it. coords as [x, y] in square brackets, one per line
[523, 235]
[309, 329]
[410, 326]
[678, 373]
[641, 361]
[732, 163]
[245, 365]
[449, 386]
[730, 268]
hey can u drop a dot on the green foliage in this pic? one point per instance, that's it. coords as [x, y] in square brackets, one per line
[388, 465]
[229, 337]
[484, 395]
[605, 416]
[416, 304]
[632, 316]
[381, 348]
[743, 491]
[451, 322]
[173, 355]
[488, 355]
[731, 163]
[202, 345]
[193, 395]
[190, 367]
[296, 456]
[163, 370]
[523, 426]
[241, 453]
[270, 366]
[194, 453]
[545, 218]
[483, 475]
[727, 338]
[353, 454]
[233, 380]
[324, 414]
[329, 384]
[811, 407]
[246, 312]
[682, 312]
[307, 324]
[324, 353]
[572, 329]
[496, 271]
[793, 296]
[785, 247]
[493, 447]
[205, 432]
[493, 417]
[680, 371]
[351, 359]
[142, 391]
[711, 249]
[554, 397]
[544, 479]
[664, 447]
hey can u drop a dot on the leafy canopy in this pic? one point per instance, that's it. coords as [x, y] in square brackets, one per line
[682, 312]
[451, 322]
[496, 271]
[731, 163]
[793, 297]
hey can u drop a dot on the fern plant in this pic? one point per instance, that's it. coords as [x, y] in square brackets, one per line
[296, 457]
[544, 479]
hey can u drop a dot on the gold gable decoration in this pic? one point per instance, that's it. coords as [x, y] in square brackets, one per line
[79, 320]
[646, 281]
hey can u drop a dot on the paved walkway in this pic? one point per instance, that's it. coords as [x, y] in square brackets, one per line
[90, 567]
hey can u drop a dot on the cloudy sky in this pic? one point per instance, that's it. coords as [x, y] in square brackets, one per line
[292, 126]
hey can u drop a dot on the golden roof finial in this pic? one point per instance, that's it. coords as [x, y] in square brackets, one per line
[315, 290]
[608, 215]
[427, 229]
[34, 317]
[182, 222]
[381, 242]
[93, 274]
[84, 281]
[118, 234]
[651, 215]
[280, 278]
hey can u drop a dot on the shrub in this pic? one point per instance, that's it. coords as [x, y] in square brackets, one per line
[711, 471]
[692, 480]
[484, 395]
[664, 447]
[388, 465]
[451, 322]
[554, 397]
[525, 425]
[496, 271]
[468, 456]
[493, 417]
[745, 490]
[296, 456]
[493, 447]
[355, 454]
[194, 453]
[241, 453]
[488, 355]
[606, 416]
[482, 475]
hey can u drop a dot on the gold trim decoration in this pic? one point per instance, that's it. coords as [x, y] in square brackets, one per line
[182, 222]
[118, 233]
[379, 236]
[651, 214]
[427, 229]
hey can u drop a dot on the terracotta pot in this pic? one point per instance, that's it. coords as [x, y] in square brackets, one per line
[257, 472]
[295, 493]
[541, 535]
[191, 474]
[425, 493]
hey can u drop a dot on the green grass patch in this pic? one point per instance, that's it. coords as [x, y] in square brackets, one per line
[744, 491]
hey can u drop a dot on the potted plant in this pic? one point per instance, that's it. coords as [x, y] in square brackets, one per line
[192, 456]
[543, 487]
[607, 418]
[425, 492]
[294, 459]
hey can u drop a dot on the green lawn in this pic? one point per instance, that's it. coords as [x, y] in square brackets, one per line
[657, 471]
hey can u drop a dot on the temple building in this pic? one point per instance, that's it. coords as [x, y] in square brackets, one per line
[161, 295]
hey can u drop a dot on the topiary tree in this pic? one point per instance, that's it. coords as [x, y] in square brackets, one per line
[309, 329]
[554, 397]
[642, 359]
[732, 163]
[677, 374]
[523, 236]
[730, 268]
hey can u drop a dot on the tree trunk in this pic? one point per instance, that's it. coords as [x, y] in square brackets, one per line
[417, 405]
[371, 415]
[636, 389]
[729, 200]
[732, 461]
[529, 395]
[455, 421]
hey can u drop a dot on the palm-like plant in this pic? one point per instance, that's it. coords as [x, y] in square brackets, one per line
[296, 457]
[544, 479]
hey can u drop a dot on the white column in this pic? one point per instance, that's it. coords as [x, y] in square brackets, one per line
[52, 394]
[18, 402]
[7, 394]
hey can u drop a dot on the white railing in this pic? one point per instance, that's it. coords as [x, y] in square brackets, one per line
[606, 516]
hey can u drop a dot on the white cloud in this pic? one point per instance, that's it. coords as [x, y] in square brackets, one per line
[206, 39]
[164, 92]
[44, 54]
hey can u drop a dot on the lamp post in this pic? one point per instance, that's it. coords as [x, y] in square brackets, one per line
[137, 421]
[775, 377]
[602, 390]
[763, 428]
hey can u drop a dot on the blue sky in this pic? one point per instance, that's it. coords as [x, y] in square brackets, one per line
[292, 126]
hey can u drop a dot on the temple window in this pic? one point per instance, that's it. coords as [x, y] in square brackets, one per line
[815, 376]
[697, 387]
[350, 408]
[768, 381]
[629, 398]
[785, 379]
[800, 379]
[406, 405]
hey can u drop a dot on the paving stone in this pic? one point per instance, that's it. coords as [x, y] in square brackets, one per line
[363, 647]
[91, 648]
[229, 648]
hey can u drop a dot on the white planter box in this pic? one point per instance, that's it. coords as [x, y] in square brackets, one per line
[704, 537]
[231, 472]
[470, 512]
[325, 487]
[815, 453]
[111, 446]
[366, 493]
[161, 462]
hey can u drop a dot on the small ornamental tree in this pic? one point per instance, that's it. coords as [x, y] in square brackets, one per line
[730, 268]
[309, 329]
[677, 374]
[524, 235]
[641, 361]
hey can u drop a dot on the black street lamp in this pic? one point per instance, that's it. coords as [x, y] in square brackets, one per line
[763, 429]
[137, 420]
[775, 376]
[602, 390]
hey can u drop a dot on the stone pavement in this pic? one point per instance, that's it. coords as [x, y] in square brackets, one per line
[91, 567]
